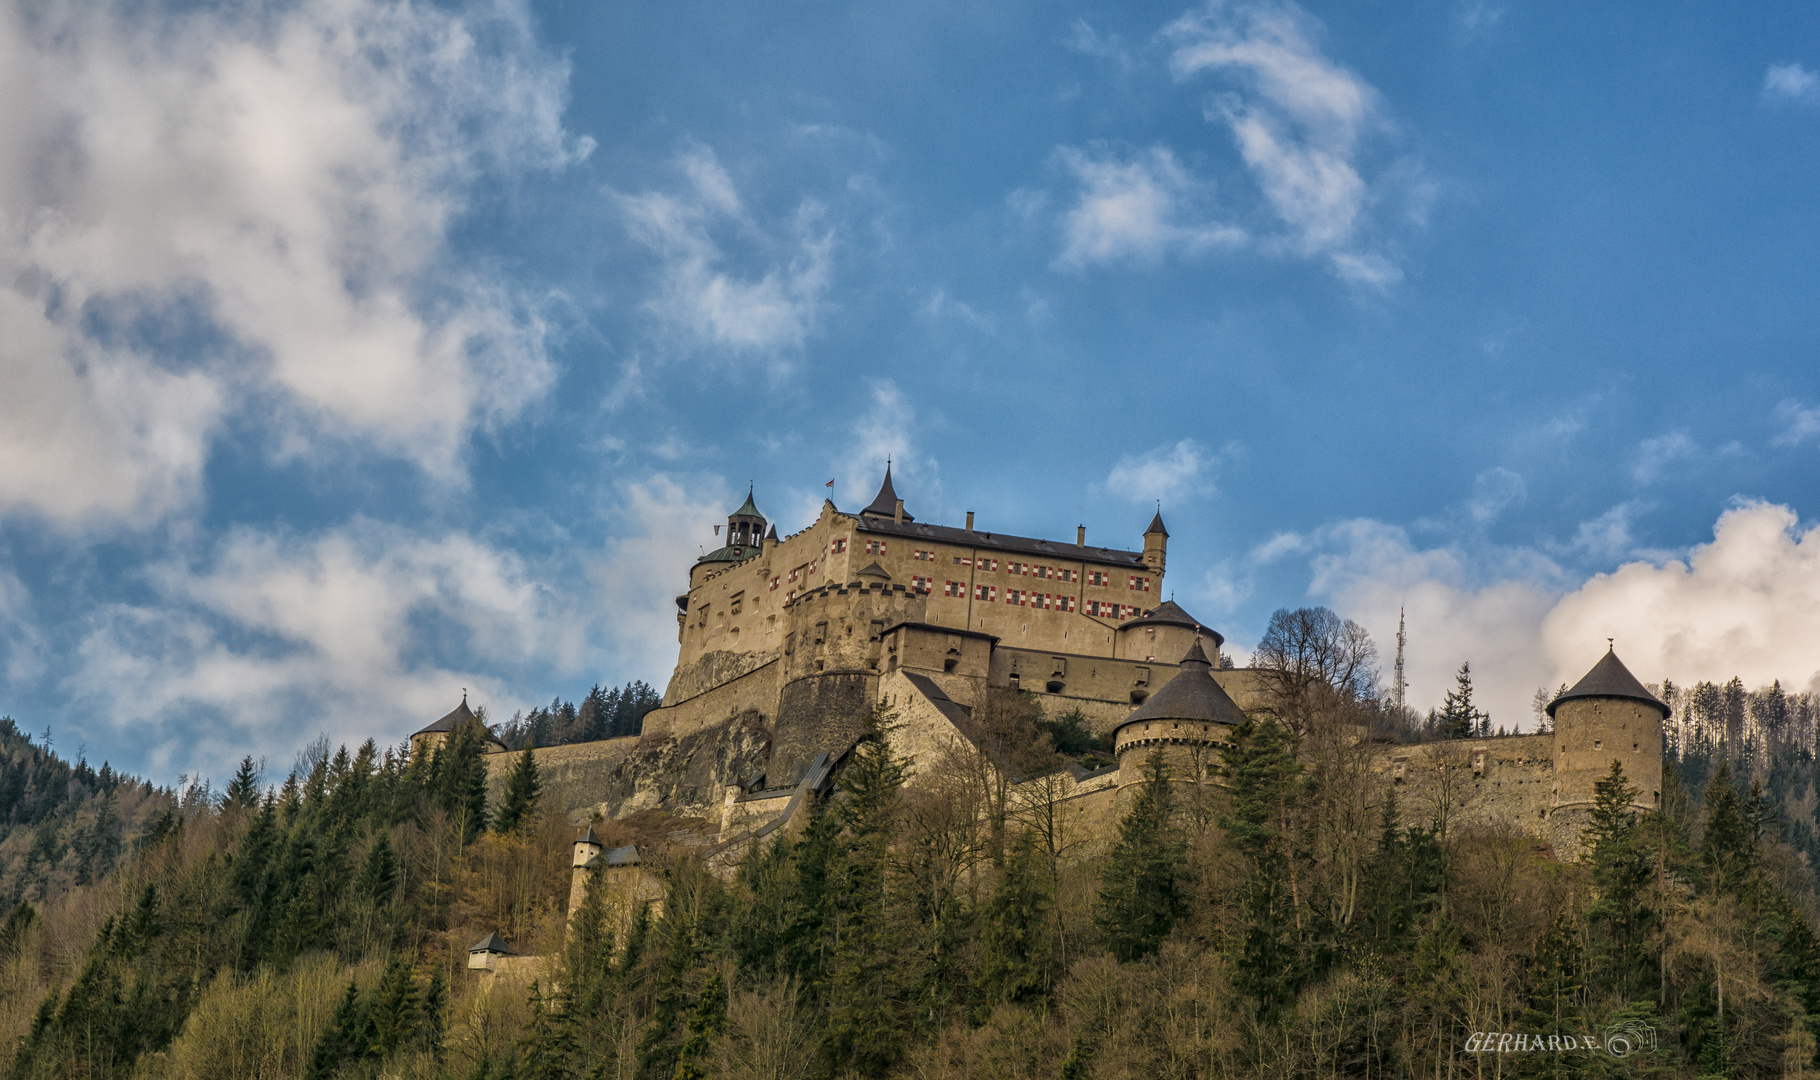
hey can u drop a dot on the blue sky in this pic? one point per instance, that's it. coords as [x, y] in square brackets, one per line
[358, 352]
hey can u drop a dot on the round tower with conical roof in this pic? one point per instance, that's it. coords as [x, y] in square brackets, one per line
[1187, 719]
[1607, 716]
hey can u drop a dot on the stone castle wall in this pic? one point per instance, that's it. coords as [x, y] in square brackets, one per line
[1505, 782]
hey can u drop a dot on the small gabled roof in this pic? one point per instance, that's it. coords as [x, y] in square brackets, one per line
[493, 943]
[621, 856]
[771, 533]
[1156, 524]
[748, 508]
[884, 504]
[1191, 695]
[1609, 678]
[456, 717]
[873, 569]
[587, 837]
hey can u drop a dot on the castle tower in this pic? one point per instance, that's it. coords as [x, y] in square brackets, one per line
[1166, 631]
[1607, 716]
[1156, 543]
[1188, 719]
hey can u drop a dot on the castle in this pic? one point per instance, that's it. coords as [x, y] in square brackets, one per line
[786, 645]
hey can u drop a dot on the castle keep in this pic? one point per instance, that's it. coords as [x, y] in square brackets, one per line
[787, 644]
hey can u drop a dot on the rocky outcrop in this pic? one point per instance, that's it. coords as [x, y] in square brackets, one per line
[712, 670]
[687, 775]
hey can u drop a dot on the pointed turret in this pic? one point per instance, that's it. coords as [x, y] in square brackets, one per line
[1156, 543]
[745, 526]
[886, 504]
[1609, 678]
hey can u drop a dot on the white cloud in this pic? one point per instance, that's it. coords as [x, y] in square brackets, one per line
[1298, 119]
[1139, 209]
[203, 211]
[776, 308]
[275, 638]
[1799, 423]
[1746, 604]
[1493, 491]
[1791, 83]
[640, 573]
[1168, 473]
[1656, 454]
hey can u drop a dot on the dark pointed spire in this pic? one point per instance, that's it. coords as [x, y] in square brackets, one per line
[771, 534]
[885, 503]
[1609, 678]
[1156, 523]
[1196, 655]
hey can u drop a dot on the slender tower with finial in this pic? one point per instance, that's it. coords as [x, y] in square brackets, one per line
[1398, 684]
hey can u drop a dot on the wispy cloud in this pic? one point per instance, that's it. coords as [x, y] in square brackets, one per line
[773, 306]
[1656, 454]
[1084, 39]
[274, 189]
[1791, 84]
[1137, 208]
[1493, 491]
[1168, 473]
[1297, 118]
[1799, 423]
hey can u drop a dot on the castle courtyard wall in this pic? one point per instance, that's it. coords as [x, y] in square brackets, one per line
[1500, 783]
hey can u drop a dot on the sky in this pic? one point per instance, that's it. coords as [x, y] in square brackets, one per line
[354, 353]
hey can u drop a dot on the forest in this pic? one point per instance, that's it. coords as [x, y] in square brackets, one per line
[1293, 920]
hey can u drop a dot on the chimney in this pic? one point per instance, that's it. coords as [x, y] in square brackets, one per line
[898, 515]
[969, 521]
[1080, 536]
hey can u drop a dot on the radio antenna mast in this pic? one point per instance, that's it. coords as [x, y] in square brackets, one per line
[1398, 683]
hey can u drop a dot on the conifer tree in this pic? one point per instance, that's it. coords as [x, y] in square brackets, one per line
[1262, 770]
[1620, 917]
[379, 874]
[243, 789]
[520, 803]
[395, 1008]
[707, 1019]
[1458, 718]
[1015, 940]
[865, 1030]
[342, 1039]
[1143, 882]
[1728, 844]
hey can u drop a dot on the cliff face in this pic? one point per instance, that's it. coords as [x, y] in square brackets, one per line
[687, 775]
[712, 670]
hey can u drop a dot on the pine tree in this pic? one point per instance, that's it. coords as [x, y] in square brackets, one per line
[395, 1009]
[1620, 918]
[343, 1038]
[1728, 844]
[1015, 940]
[1143, 883]
[379, 874]
[1261, 767]
[519, 806]
[1458, 719]
[707, 1019]
[865, 1028]
[460, 778]
[243, 790]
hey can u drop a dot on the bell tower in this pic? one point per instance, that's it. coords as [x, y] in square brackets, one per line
[746, 526]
